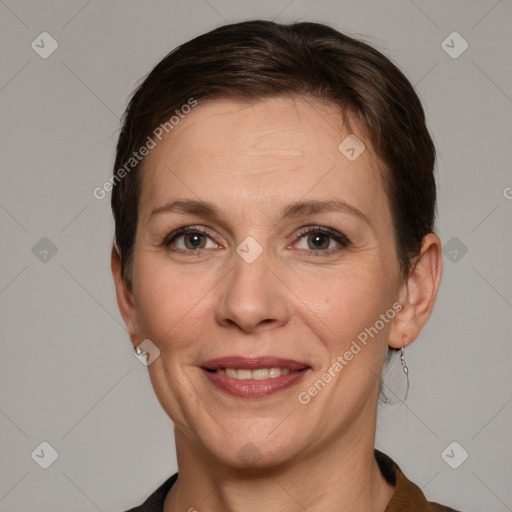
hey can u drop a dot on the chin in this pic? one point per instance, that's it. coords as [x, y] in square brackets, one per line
[252, 447]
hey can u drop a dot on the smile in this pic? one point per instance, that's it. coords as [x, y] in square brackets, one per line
[254, 377]
[258, 374]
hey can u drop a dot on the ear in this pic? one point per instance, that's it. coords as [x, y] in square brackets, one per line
[124, 296]
[418, 293]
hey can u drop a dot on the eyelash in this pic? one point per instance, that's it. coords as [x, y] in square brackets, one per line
[340, 238]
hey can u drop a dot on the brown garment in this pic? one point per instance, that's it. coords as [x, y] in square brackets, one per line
[407, 497]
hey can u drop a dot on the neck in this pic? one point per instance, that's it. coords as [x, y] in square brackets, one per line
[341, 474]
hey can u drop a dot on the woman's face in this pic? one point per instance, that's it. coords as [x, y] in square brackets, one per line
[270, 269]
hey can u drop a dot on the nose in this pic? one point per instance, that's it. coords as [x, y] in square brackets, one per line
[253, 296]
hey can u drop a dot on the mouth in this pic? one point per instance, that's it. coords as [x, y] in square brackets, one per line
[258, 374]
[253, 363]
[254, 377]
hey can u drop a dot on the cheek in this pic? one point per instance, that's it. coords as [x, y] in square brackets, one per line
[346, 302]
[170, 303]
[355, 335]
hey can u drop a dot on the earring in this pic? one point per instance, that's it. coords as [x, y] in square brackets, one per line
[405, 369]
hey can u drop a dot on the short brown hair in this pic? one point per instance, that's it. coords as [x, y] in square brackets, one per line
[259, 59]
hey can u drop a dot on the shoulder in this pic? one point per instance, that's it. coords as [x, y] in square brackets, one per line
[408, 497]
[155, 502]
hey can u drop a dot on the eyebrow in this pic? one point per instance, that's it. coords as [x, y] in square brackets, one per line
[297, 209]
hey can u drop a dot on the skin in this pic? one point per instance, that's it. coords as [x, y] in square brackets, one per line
[294, 301]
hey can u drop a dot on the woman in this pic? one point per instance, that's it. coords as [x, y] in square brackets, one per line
[274, 202]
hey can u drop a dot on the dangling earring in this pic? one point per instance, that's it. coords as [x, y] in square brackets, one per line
[406, 370]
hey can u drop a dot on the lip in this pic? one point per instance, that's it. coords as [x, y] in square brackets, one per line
[248, 363]
[252, 388]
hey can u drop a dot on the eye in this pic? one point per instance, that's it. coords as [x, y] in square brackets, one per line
[318, 240]
[189, 239]
[321, 240]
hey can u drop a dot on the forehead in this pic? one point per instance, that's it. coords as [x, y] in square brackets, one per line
[277, 149]
[284, 126]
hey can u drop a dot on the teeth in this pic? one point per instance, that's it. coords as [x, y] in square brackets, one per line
[243, 374]
[259, 374]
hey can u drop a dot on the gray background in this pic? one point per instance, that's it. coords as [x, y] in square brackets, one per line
[68, 376]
